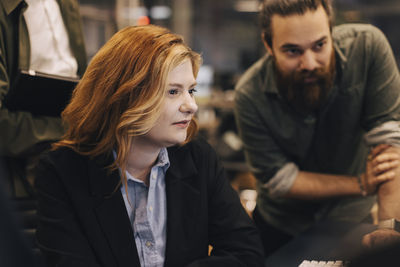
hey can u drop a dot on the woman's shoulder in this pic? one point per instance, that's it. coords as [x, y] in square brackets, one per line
[62, 157]
[61, 153]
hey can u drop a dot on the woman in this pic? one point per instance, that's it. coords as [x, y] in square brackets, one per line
[127, 185]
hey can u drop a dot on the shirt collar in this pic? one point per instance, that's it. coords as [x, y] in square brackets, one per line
[163, 159]
[269, 84]
[162, 162]
[341, 59]
[11, 5]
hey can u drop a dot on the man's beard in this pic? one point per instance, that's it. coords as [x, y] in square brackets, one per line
[307, 97]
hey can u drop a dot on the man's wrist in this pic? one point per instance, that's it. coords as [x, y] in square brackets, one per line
[391, 223]
[363, 191]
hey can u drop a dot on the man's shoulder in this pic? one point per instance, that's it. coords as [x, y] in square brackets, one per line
[362, 44]
[345, 32]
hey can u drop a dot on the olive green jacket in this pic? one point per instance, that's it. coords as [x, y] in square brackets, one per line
[20, 131]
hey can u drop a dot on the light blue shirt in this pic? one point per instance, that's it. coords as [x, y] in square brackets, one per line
[147, 210]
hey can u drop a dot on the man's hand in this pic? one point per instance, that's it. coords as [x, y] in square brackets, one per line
[380, 237]
[381, 165]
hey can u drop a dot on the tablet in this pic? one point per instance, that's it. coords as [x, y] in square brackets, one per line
[39, 93]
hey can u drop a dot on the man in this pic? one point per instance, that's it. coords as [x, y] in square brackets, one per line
[304, 112]
[44, 36]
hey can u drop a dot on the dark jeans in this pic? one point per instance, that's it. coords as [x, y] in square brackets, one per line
[271, 237]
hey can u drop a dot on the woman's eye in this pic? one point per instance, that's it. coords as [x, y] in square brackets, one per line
[192, 91]
[173, 91]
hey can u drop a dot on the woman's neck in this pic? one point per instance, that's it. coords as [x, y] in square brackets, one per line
[140, 160]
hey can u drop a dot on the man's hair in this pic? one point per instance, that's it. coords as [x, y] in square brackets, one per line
[287, 8]
[121, 93]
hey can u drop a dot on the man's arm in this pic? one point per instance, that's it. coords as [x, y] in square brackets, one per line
[388, 201]
[389, 192]
[382, 169]
[309, 185]
[279, 174]
[383, 100]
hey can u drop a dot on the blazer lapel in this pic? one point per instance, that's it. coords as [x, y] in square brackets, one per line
[111, 212]
[183, 200]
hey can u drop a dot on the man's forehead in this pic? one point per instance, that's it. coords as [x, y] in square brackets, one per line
[300, 28]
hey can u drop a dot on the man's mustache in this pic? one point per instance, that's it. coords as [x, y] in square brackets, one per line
[306, 74]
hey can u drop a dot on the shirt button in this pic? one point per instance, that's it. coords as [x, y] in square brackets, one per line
[148, 244]
[151, 208]
[153, 176]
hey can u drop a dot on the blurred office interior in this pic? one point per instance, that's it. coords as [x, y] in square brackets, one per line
[227, 34]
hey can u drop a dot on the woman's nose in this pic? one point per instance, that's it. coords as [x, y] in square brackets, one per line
[189, 104]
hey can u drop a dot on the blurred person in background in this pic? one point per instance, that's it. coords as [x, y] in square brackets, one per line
[15, 250]
[44, 36]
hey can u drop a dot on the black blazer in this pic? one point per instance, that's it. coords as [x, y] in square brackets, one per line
[83, 219]
[15, 250]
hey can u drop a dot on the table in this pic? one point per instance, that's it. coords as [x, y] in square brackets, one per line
[334, 240]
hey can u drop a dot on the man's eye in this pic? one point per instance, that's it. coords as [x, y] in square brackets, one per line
[293, 52]
[319, 45]
[173, 91]
[192, 91]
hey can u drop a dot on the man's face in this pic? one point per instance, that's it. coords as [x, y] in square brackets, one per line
[304, 58]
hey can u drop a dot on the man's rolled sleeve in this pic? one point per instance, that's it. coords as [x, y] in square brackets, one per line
[282, 181]
[386, 133]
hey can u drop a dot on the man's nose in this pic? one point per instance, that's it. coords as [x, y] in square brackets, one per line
[308, 61]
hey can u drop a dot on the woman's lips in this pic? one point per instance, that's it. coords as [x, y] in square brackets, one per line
[182, 124]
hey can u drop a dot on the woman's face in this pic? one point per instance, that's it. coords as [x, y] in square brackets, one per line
[178, 108]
